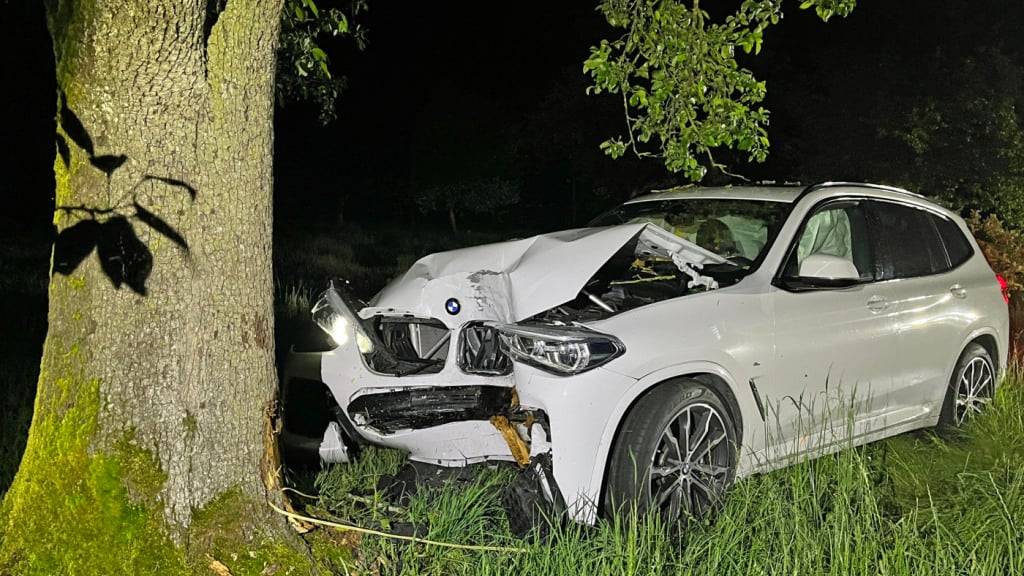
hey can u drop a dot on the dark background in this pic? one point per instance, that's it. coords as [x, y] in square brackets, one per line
[452, 90]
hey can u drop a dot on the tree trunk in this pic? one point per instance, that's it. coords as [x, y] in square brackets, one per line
[451, 218]
[157, 373]
[572, 200]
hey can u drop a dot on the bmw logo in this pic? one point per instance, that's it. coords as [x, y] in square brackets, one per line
[452, 306]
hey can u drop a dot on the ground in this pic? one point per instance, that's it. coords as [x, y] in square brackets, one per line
[916, 504]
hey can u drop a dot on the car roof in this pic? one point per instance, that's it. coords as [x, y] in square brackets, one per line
[787, 193]
[766, 193]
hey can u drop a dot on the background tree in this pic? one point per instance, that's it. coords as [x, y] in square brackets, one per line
[151, 447]
[965, 145]
[932, 105]
[565, 157]
[468, 196]
[683, 92]
[304, 73]
[477, 180]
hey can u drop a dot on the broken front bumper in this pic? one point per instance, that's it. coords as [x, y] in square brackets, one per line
[455, 418]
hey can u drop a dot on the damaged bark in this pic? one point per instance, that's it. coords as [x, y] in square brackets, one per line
[161, 314]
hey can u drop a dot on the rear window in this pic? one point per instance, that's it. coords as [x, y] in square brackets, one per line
[908, 241]
[958, 247]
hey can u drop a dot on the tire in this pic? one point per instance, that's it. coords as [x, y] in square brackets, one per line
[648, 474]
[970, 389]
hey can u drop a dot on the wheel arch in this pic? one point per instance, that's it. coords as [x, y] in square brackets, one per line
[717, 379]
[988, 342]
[988, 339]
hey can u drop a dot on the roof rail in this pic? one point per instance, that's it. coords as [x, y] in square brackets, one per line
[697, 185]
[821, 185]
[776, 183]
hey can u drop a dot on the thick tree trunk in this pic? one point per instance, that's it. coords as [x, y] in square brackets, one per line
[154, 387]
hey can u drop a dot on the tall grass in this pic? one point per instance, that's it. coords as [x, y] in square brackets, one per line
[916, 504]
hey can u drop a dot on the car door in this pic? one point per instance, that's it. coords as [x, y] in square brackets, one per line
[926, 296]
[834, 345]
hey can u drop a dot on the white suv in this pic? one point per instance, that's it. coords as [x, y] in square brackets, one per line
[686, 338]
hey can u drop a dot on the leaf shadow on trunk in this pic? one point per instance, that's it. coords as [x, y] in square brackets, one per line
[110, 230]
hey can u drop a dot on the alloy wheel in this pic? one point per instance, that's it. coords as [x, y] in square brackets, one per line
[974, 389]
[691, 467]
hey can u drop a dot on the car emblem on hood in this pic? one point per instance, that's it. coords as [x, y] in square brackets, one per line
[452, 306]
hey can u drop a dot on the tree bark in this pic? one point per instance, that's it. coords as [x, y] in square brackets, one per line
[154, 389]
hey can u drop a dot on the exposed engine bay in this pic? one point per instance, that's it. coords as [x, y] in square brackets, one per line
[633, 278]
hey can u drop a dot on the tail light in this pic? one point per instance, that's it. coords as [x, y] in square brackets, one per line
[1003, 287]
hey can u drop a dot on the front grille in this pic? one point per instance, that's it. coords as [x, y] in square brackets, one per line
[480, 351]
[425, 407]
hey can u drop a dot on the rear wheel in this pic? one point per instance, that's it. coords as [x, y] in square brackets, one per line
[675, 454]
[971, 388]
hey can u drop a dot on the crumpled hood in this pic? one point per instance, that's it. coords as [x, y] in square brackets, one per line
[514, 280]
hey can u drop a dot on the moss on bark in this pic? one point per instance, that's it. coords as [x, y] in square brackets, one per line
[73, 511]
[223, 530]
[79, 511]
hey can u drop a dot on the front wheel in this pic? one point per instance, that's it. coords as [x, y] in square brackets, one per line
[675, 454]
[971, 388]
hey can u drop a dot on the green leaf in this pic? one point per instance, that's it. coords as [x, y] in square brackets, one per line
[685, 92]
[614, 147]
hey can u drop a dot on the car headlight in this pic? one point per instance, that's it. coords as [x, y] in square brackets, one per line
[561, 350]
[339, 322]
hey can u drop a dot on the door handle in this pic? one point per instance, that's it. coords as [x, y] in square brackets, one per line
[877, 303]
[958, 291]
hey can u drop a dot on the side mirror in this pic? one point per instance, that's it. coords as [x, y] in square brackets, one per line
[827, 267]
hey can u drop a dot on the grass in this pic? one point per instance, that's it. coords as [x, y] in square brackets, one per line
[915, 504]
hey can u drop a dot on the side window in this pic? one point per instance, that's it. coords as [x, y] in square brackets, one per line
[958, 248]
[908, 241]
[838, 229]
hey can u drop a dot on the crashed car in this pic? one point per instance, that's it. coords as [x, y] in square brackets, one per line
[685, 339]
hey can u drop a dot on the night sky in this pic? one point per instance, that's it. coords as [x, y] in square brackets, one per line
[448, 90]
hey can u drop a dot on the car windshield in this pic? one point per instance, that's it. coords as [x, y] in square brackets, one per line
[740, 230]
